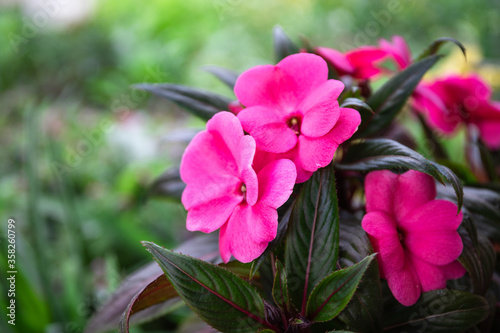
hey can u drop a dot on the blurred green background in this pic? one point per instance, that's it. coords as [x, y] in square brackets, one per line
[80, 148]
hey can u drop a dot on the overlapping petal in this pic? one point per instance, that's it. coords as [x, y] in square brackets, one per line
[415, 235]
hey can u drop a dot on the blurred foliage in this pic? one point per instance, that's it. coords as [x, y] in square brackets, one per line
[80, 198]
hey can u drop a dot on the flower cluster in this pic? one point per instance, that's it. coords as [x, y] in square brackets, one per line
[236, 182]
[287, 123]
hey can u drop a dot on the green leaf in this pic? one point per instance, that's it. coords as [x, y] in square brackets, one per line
[355, 103]
[201, 103]
[283, 45]
[333, 293]
[436, 45]
[441, 311]
[222, 299]
[479, 262]
[380, 154]
[311, 250]
[364, 312]
[226, 75]
[280, 288]
[389, 100]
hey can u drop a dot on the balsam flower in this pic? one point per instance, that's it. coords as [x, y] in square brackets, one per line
[415, 235]
[456, 100]
[361, 63]
[224, 192]
[291, 110]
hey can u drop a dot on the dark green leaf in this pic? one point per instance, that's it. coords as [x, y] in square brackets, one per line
[357, 104]
[222, 299]
[365, 311]
[282, 228]
[313, 236]
[479, 262]
[333, 293]
[436, 45]
[283, 45]
[201, 103]
[135, 285]
[280, 288]
[389, 100]
[441, 311]
[227, 76]
[168, 184]
[483, 206]
[379, 154]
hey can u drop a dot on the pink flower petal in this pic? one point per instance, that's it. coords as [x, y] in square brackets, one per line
[364, 61]
[245, 155]
[211, 215]
[261, 222]
[276, 182]
[315, 153]
[430, 232]
[243, 248]
[283, 86]
[398, 50]
[224, 247]
[207, 157]
[379, 189]
[382, 227]
[337, 59]
[455, 270]
[413, 189]
[269, 129]
[488, 122]
[321, 109]
[405, 285]
[430, 276]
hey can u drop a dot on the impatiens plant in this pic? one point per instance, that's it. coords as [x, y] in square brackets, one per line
[317, 211]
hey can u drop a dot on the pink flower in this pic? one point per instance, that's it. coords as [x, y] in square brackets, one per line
[235, 107]
[224, 192]
[361, 63]
[292, 111]
[416, 236]
[457, 100]
[398, 50]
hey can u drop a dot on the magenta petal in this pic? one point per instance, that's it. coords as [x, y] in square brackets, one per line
[283, 86]
[430, 232]
[207, 157]
[455, 270]
[269, 129]
[431, 277]
[404, 285]
[382, 227]
[243, 248]
[245, 157]
[398, 50]
[315, 153]
[321, 109]
[337, 59]
[211, 215]
[265, 85]
[379, 189]
[227, 129]
[261, 222]
[413, 189]
[224, 246]
[308, 71]
[488, 122]
[276, 182]
[364, 61]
